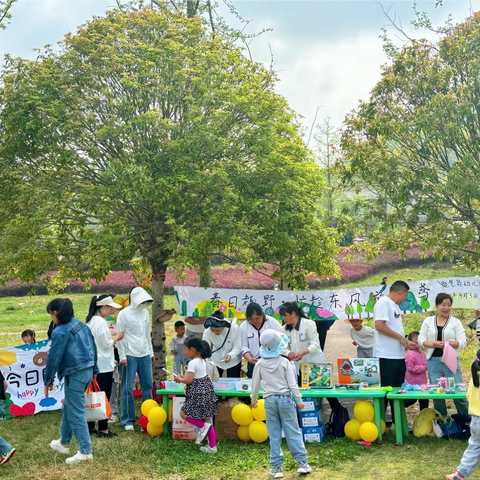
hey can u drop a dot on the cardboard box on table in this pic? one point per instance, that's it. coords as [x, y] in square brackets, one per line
[359, 370]
[316, 375]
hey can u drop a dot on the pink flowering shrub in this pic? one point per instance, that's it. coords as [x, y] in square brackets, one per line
[232, 276]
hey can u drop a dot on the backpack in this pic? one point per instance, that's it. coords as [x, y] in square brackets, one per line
[423, 423]
[338, 419]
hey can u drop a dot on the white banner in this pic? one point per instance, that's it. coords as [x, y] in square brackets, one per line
[326, 304]
[23, 368]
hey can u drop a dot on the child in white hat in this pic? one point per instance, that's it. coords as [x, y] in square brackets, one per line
[280, 383]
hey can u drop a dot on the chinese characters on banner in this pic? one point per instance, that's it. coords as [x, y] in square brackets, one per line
[23, 368]
[327, 304]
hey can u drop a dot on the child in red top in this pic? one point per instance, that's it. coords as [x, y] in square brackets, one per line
[416, 374]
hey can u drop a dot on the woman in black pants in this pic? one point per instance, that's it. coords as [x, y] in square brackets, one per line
[101, 307]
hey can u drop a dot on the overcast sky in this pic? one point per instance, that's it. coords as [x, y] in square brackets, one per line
[328, 53]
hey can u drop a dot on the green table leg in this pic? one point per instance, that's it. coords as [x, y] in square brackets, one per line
[382, 408]
[165, 407]
[397, 409]
[404, 419]
[377, 408]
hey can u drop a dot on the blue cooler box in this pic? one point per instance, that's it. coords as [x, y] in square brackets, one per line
[314, 434]
[310, 419]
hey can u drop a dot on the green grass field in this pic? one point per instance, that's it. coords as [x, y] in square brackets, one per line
[138, 457]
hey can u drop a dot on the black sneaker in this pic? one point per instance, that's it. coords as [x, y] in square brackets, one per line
[106, 435]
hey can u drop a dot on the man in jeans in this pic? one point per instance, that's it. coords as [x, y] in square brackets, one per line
[389, 341]
[135, 352]
[6, 450]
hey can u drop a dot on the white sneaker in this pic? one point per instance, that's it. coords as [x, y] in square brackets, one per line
[276, 472]
[304, 468]
[79, 457]
[208, 449]
[113, 419]
[202, 433]
[129, 428]
[58, 447]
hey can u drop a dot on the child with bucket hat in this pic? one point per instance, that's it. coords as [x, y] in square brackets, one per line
[280, 383]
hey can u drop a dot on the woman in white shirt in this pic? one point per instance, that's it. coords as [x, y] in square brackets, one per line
[101, 307]
[224, 340]
[250, 330]
[435, 331]
[303, 341]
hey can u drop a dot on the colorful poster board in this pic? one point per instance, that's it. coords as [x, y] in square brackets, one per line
[317, 375]
[359, 370]
[326, 305]
[23, 368]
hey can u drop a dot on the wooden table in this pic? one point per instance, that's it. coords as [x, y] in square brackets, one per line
[377, 395]
[401, 426]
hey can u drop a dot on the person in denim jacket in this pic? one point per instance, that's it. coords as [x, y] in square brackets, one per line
[72, 356]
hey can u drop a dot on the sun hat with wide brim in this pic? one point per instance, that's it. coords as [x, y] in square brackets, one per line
[217, 323]
[166, 315]
[108, 301]
[362, 319]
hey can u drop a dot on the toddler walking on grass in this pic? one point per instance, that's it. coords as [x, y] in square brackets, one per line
[471, 456]
[280, 383]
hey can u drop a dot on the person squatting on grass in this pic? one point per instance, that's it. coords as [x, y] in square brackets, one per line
[471, 456]
[6, 450]
[280, 382]
[72, 356]
[200, 399]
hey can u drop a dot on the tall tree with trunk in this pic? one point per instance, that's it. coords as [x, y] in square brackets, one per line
[144, 136]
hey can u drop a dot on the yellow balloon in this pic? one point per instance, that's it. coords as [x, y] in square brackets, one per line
[157, 416]
[147, 405]
[259, 412]
[364, 412]
[368, 432]
[258, 431]
[384, 426]
[242, 414]
[352, 428]
[243, 434]
[154, 430]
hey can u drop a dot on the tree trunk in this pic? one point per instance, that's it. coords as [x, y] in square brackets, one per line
[204, 272]
[158, 329]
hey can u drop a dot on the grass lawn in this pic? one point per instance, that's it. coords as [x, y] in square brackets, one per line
[136, 456]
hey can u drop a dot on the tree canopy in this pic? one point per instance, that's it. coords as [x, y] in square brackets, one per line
[144, 135]
[415, 145]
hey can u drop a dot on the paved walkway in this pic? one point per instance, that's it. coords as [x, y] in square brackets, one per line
[339, 345]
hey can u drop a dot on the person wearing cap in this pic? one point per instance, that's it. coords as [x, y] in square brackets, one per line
[250, 331]
[362, 337]
[223, 337]
[101, 306]
[136, 353]
[279, 384]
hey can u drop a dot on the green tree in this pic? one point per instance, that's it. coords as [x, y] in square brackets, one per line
[143, 136]
[5, 12]
[359, 310]
[416, 145]
[424, 303]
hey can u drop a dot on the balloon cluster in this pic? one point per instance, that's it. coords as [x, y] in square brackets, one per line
[251, 422]
[362, 427]
[153, 418]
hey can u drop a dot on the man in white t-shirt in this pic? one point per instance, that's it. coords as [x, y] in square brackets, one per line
[390, 342]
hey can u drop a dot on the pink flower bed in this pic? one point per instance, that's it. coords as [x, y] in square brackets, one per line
[233, 276]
